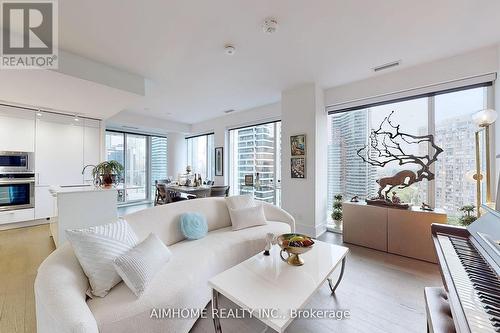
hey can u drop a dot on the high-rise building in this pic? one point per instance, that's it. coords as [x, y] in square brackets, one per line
[456, 137]
[256, 151]
[348, 174]
[158, 159]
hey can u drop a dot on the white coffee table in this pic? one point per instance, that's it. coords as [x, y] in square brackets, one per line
[262, 285]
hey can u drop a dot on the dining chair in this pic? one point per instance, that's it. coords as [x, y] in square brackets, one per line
[161, 196]
[174, 196]
[219, 191]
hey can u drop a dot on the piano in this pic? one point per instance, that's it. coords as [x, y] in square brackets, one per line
[469, 260]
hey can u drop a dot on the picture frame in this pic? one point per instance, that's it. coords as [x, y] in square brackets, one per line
[219, 161]
[298, 167]
[298, 145]
[248, 180]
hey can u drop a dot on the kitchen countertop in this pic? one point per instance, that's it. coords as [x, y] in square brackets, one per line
[62, 189]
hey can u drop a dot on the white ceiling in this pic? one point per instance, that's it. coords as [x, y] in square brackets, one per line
[178, 44]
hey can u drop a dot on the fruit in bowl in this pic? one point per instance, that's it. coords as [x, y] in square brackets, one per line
[296, 240]
[293, 245]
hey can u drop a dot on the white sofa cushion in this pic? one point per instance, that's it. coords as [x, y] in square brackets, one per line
[182, 283]
[163, 220]
[247, 217]
[240, 201]
[97, 247]
[138, 266]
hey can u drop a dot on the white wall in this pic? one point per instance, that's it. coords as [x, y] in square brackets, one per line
[219, 127]
[462, 66]
[303, 112]
[177, 155]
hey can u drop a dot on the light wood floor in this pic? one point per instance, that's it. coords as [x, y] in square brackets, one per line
[383, 292]
[21, 252]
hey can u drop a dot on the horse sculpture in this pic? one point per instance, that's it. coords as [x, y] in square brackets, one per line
[388, 145]
[402, 179]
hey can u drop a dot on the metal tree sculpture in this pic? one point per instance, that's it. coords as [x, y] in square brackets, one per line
[385, 146]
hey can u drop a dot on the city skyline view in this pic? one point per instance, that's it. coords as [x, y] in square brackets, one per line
[453, 131]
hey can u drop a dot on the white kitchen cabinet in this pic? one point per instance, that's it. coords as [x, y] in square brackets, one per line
[91, 146]
[17, 129]
[44, 202]
[13, 216]
[59, 150]
[63, 147]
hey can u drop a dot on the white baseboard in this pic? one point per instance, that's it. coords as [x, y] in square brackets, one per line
[23, 224]
[311, 231]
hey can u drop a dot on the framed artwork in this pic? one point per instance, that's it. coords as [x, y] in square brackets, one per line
[298, 167]
[219, 161]
[298, 145]
[248, 180]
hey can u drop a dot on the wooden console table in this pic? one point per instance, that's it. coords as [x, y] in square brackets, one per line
[406, 232]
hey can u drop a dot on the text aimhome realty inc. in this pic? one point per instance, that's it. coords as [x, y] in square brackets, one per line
[230, 313]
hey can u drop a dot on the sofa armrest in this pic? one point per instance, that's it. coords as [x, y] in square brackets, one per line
[60, 298]
[274, 213]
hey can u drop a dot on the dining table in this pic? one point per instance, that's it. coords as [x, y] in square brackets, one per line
[200, 191]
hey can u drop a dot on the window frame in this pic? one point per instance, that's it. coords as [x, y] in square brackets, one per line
[431, 123]
[209, 158]
[276, 157]
[148, 186]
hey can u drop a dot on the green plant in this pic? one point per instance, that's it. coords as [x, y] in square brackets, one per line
[467, 218]
[105, 172]
[337, 208]
[337, 215]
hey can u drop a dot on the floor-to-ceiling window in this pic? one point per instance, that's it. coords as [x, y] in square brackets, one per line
[200, 155]
[159, 170]
[448, 116]
[256, 150]
[144, 158]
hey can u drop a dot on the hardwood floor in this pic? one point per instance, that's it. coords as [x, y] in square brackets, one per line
[21, 252]
[383, 292]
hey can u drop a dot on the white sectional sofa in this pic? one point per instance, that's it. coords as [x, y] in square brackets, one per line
[60, 285]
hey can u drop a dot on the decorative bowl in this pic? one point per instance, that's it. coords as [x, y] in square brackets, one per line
[294, 245]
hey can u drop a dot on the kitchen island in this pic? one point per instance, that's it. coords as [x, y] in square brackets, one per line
[80, 206]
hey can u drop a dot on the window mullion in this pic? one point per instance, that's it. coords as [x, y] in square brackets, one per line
[431, 125]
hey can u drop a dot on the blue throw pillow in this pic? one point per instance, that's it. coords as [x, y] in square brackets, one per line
[193, 225]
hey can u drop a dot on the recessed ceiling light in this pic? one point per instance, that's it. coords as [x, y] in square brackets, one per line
[270, 25]
[229, 111]
[229, 49]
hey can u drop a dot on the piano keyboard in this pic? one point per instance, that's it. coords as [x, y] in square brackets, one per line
[477, 285]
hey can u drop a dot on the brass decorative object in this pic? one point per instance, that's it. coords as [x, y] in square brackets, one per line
[384, 147]
[288, 244]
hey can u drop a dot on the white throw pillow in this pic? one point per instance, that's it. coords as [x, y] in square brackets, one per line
[138, 266]
[240, 201]
[247, 217]
[97, 247]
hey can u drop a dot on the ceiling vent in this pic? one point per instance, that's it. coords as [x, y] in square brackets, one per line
[387, 66]
[229, 111]
[130, 127]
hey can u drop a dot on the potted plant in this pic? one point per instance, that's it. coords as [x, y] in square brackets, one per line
[337, 211]
[105, 172]
[467, 218]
